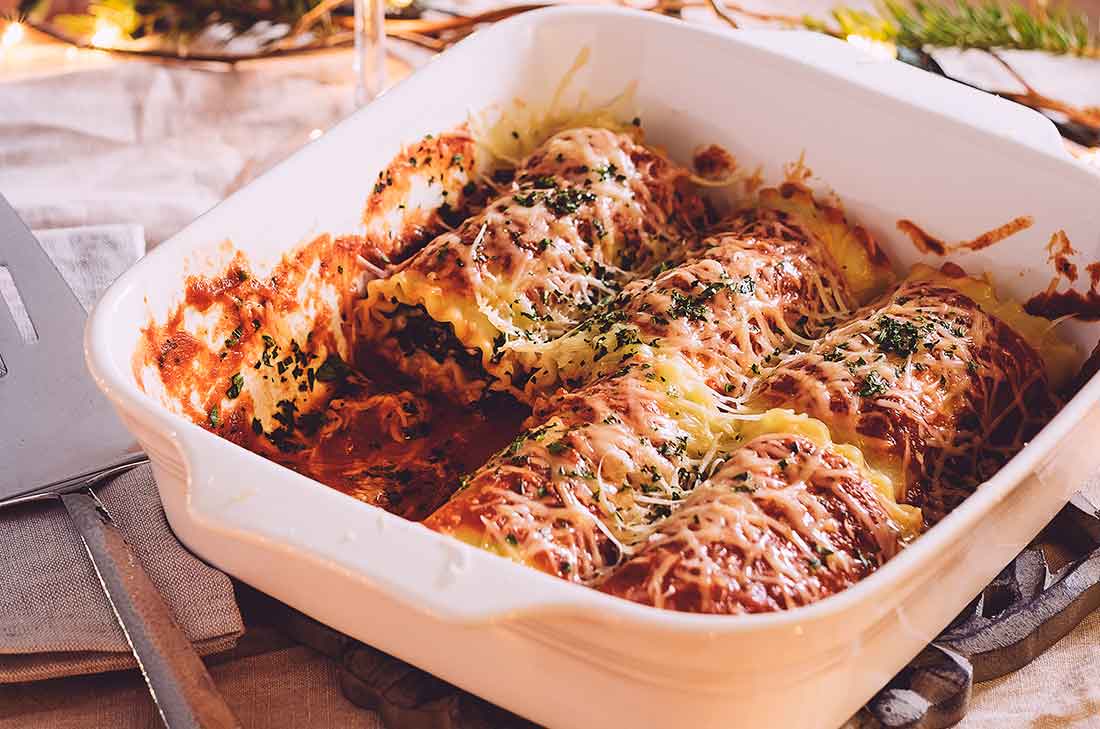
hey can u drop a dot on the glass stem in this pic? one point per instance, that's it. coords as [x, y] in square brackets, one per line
[370, 49]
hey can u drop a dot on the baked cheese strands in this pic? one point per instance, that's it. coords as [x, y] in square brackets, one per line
[649, 416]
[788, 519]
[592, 473]
[938, 385]
[778, 275]
[588, 211]
[426, 188]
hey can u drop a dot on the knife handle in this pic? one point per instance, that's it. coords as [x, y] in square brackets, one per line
[181, 687]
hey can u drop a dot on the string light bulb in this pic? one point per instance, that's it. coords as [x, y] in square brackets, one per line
[106, 34]
[13, 34]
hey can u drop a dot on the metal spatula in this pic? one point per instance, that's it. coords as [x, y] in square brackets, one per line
[58, 439]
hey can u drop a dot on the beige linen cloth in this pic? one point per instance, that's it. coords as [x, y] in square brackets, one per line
[54, 617]
[118, 141]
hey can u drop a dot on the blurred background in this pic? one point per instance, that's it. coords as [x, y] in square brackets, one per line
[158, 141]
[123, 120]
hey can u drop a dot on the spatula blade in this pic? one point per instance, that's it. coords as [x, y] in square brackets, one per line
[54, 422]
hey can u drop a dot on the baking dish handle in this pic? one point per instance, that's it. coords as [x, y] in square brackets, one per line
[926, 92]
[298, 540]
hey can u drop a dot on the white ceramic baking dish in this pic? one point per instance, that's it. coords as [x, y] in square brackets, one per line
[895, 141]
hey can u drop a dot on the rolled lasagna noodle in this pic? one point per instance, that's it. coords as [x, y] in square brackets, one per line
[938, 385]
[788, 519]
[695, 334]
[588, 211]
[428, 186]
[779, 274]
[592, 472]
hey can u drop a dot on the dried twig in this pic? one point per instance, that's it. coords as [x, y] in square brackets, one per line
[720, 11]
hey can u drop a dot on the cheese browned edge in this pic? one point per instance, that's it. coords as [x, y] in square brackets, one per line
[789, 518]
[934, 387]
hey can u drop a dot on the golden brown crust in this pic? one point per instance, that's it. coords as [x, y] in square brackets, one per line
[924, 381]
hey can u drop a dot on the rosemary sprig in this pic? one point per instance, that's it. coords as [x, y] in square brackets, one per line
[965, 24]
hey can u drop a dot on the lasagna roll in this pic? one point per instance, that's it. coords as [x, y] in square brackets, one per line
[592, 472]
[780, 274]
[428, 187]
[788, 519]
[938, 385]
[587, 211]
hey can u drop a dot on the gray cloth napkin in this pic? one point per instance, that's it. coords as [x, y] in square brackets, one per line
[54, 618]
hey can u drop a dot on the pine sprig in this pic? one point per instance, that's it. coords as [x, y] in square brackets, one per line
[964, 24]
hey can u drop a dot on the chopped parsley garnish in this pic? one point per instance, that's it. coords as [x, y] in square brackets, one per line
[515, 445]
[332, 369]
[608, 171]
[745, 286]
[624, 337]
[674, 447]
[236, 382]
[557, 447]
[897, 336]
[564, 202]
[215, 417]
[234, 338]
[511, 539]
[686, 307]
[873, 385]
[694, 308]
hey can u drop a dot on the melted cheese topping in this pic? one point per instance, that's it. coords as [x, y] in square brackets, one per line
[594, 471]
[588, 211]
[1059, 357]
[691, 461]
[726, 313]
[787, 520]
[701, 332]
[935, 392]
[862, 263]
[413, 199]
